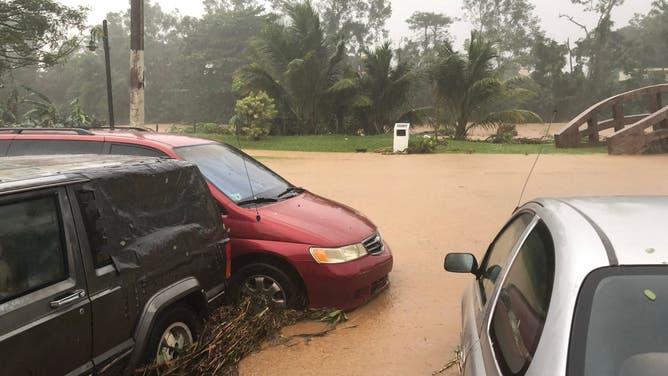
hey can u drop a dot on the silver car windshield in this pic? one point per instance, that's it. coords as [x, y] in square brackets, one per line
[224, 167]
[620, 323]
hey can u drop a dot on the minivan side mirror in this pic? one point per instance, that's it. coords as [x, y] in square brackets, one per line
[461, 263]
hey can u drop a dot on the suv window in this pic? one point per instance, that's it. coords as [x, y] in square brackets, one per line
[45, 147]
[126, 149]
[31, 246]
[96, 237]
[498, 252]
[521, 309]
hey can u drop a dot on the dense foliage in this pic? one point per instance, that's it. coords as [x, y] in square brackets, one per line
[36, 33]
[326, 65]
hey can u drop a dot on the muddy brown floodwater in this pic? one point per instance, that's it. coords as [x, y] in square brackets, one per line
[426, 206]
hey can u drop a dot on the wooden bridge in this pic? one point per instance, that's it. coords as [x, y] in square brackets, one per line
[633, 134]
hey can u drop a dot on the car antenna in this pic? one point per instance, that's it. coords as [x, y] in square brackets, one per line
[535, 162]
[250, 183]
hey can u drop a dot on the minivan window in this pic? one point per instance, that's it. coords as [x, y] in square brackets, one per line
[498, 252]
[45, 147]
[224, 167]
[520, 311]
[619, 323]
[4, 145]
[126, 149]
[31, 247]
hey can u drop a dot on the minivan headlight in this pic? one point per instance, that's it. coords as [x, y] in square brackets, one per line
[337, 255]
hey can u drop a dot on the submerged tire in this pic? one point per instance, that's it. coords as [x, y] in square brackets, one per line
[267, 286]
[175, 331]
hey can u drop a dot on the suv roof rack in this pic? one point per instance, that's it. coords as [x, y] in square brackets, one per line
[138, 129]
[80, 131]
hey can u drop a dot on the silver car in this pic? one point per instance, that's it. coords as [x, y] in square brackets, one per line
[570, 287]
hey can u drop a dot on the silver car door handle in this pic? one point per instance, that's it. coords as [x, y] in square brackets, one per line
[78, 294]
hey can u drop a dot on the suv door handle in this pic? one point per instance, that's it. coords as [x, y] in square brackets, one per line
[78, 294]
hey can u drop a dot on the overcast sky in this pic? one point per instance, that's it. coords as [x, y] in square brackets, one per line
[548, 11]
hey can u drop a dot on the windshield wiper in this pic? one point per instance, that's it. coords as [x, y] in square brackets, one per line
[257, 200]
[290, 190]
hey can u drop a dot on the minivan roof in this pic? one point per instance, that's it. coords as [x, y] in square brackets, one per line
[18, 173]
[119, 134]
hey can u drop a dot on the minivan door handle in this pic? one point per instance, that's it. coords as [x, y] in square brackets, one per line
[78, 294]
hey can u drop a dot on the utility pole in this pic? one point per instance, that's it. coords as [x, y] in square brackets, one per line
[107, 64]
[136, 63]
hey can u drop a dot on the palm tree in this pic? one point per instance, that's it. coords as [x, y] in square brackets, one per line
[386, 85]
[467, 85]
[295, 65]
[345, 98]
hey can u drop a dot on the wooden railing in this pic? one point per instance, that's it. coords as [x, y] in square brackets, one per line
[572, 135]
[636, 138]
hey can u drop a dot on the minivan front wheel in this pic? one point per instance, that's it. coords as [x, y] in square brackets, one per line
[174, 333]
[266, 286]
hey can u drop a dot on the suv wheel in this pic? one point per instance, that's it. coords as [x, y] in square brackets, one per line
[174, 333]
[266, 286]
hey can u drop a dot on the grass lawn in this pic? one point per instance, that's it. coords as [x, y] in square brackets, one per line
[350, 144]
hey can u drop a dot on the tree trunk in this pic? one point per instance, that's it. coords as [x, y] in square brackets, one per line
[460, 129]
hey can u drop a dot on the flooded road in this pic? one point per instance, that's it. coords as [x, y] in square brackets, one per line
[426, 206]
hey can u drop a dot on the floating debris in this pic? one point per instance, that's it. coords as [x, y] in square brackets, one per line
[233, 332]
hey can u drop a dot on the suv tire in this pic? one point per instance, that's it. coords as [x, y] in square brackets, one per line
[175, 331]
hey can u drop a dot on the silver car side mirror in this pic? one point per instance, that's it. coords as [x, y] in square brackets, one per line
[461, 263]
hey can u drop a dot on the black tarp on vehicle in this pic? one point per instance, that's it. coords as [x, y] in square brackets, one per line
[142, 212]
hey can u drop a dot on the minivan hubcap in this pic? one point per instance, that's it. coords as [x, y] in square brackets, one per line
[265, 291]
[174, 341]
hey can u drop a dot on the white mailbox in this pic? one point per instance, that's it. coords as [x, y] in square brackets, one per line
[401, 135]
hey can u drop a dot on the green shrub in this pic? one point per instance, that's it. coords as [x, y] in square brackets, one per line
[209, 128]
[254, 115]
[421, 145]
[505, 134]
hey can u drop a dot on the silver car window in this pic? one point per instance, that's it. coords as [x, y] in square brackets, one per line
[521, 308]
[620, 323]
[499, 250]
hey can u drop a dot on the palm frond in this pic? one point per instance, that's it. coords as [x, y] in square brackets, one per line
[515, 116]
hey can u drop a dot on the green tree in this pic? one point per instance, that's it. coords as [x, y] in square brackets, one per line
[37, 33]
[432, 29]
[601, 52]
[294, 64]
[468, 87]
[647, 37]
[345, 98]
[361, 23]
[511, 25]
[386, 86]
[254, 115]
[215, 46]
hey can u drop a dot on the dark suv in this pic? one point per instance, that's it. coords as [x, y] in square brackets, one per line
[105, 262]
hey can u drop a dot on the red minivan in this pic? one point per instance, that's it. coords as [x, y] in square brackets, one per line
[290, 247]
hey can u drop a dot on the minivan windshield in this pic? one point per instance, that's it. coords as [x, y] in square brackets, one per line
[224, 167]
[620, 323]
